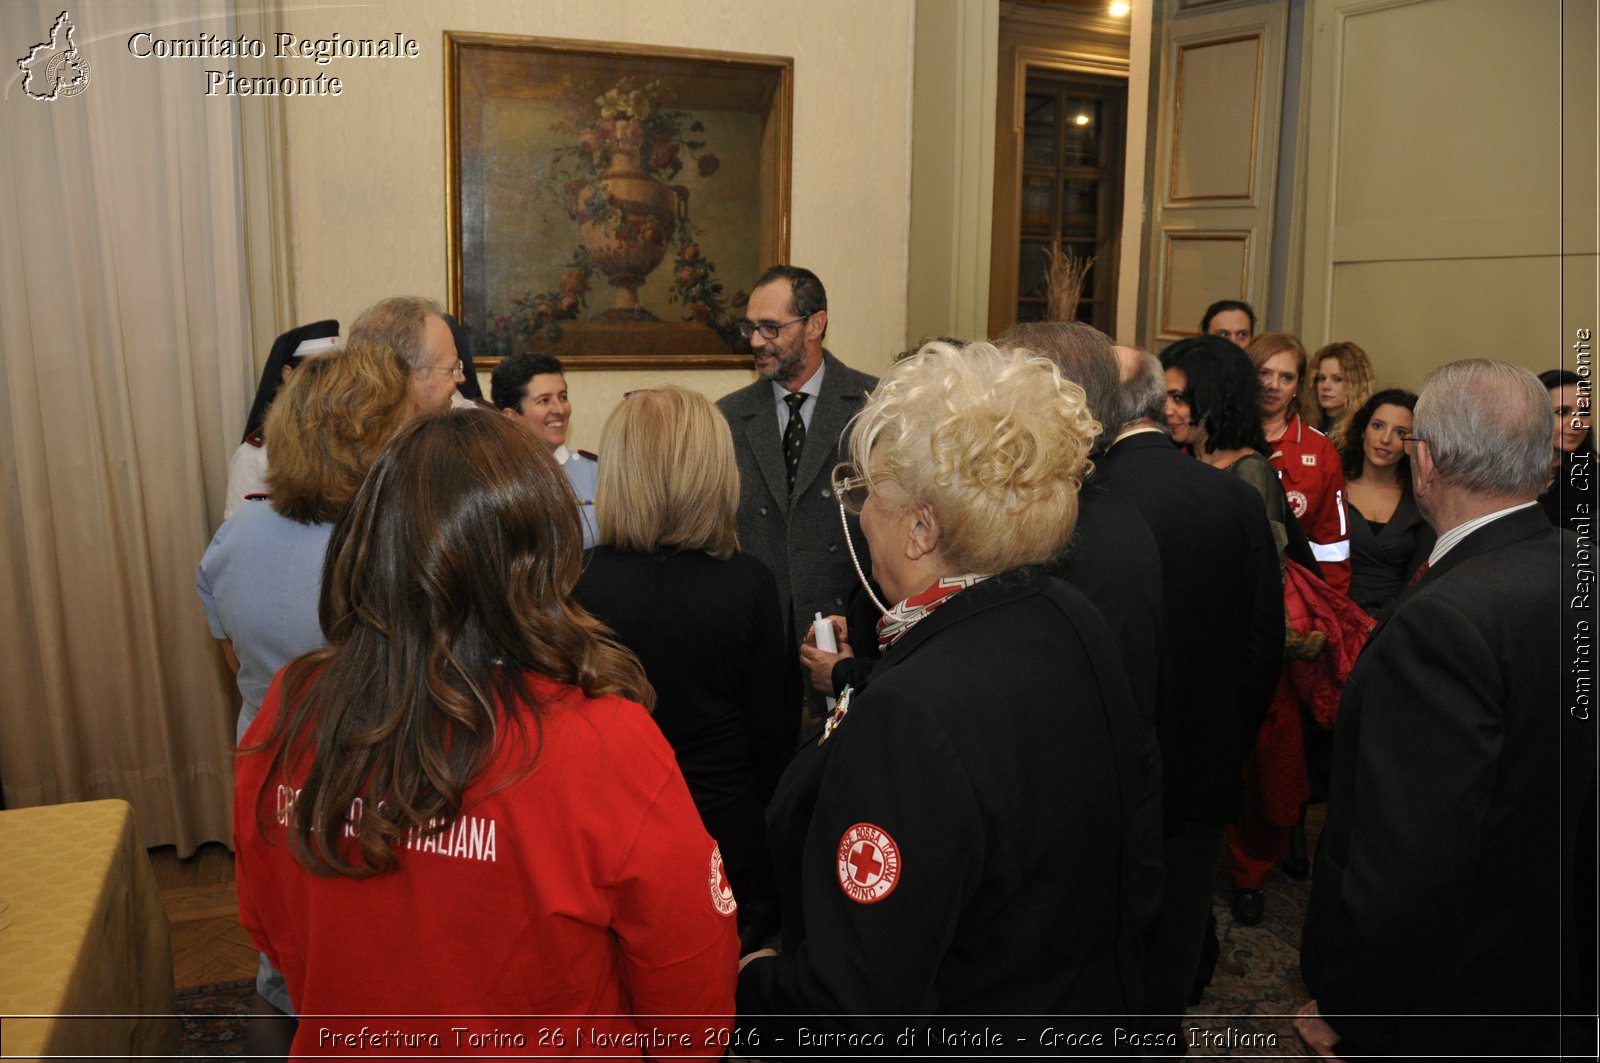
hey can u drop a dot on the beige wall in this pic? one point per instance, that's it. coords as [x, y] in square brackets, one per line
[367, 172]
[1451, 181]
[952, 186]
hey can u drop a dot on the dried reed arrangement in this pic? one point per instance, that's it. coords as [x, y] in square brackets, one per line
[1063, 283]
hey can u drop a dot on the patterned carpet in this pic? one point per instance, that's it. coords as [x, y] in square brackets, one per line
[211, 1019]
[1248, 1010]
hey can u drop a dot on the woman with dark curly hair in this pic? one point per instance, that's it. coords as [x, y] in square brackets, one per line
[1389, 539]
[1225, 394]
[1219, 386]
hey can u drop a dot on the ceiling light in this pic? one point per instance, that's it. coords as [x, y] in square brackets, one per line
[1120, 9]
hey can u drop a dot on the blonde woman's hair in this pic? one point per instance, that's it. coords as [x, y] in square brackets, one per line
[668, 477]
[995, 442]
[1268, 344]
[327, 425]
[1357, 369]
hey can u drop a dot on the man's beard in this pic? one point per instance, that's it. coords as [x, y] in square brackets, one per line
[786, 365]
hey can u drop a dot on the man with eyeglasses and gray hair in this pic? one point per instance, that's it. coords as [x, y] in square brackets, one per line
[1456, 870]
[786, 430]
[414, 327]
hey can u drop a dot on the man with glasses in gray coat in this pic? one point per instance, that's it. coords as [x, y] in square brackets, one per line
[786, 429]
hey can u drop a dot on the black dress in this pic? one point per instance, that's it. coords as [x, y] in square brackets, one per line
[710, 636]
[1382, 558]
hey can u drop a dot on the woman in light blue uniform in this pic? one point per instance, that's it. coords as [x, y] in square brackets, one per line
[531, 389]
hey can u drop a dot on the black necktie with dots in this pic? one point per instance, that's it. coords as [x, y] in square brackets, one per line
[794, 436]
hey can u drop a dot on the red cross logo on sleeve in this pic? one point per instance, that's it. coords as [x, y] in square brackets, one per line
[721, 890]
[869, 863]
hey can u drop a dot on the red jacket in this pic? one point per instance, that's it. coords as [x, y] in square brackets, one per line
[1313, 606]
[585, 886]
[1308, 465]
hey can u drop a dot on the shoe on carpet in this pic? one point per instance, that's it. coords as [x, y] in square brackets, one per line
[1248, 906]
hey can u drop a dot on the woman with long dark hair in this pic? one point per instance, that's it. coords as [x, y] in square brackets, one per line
[1389, 540]
[1223, 389]
[460, 807]
[1571, 495]
[1217, 384]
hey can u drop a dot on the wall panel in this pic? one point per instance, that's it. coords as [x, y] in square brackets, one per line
[1216, 161]
[1450, 179]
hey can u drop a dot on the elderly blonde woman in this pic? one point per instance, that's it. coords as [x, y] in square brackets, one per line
[703, 618]
[957, 840]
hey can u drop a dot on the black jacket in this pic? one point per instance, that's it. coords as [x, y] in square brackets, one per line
[964, 841]
[1444, 878]
[1223, 613]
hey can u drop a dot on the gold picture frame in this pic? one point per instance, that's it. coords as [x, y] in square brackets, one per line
[611, 204]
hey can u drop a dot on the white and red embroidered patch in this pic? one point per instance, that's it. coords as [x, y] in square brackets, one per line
[869, 863]
[1308, 459]
[721, 889]
[1297, 502]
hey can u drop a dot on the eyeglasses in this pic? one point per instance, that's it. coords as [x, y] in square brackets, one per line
[769, 329]
[1406, 441]
[458, 369]
[850, 488]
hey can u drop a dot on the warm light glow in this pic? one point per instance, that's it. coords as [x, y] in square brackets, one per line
[1082, 119]
[1119, 8]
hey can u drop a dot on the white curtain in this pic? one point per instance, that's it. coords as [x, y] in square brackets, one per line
[124, 373]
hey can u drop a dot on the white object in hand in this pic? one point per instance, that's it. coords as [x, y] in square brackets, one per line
[822, 631]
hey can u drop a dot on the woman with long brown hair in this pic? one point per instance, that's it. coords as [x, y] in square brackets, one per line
[460, 807]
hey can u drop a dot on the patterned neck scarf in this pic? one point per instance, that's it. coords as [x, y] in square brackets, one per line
[905, 615]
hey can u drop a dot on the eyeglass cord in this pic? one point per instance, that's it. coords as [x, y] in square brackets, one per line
[856, 561]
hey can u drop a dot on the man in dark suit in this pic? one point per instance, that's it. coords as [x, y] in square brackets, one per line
[1444, 876]
[1113, 558]
[786, 428]
[1222, 611]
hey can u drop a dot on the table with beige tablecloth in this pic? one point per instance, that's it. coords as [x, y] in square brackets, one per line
[85, 960]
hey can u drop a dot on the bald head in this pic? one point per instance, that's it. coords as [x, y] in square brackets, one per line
[1141, 390]
[1129, 361]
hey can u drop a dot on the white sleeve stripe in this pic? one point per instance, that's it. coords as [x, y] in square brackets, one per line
[1339, 551]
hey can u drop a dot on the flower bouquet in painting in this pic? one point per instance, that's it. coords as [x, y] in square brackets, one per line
[620, 152]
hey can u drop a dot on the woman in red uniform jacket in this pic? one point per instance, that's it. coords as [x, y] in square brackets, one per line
[1307, 462]
[458, 811]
